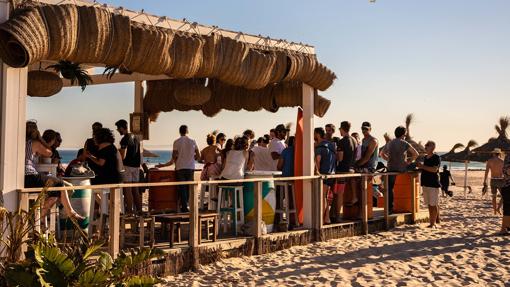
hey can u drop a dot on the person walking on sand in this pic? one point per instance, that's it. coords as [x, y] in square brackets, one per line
[395, 153]
[505, 194]
[495, 167]
[444, 178]
[430, 182]
[325, 163]
[184, 154]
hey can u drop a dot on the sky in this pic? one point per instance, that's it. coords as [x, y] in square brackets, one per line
[447, 62]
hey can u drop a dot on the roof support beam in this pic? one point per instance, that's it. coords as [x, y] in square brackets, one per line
[118, 78]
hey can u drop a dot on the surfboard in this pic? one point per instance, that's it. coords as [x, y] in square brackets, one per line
[298, 165]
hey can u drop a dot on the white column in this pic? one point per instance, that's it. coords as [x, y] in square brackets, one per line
[13, 91]
[308, 153]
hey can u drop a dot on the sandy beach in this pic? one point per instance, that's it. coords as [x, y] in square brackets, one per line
[463, 251]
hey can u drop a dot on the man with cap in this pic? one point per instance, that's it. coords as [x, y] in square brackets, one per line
[277, 144]
[495, 167]
[369, 150]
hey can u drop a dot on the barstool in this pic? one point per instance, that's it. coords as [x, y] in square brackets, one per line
[233, 209]
[286, 198]
[212, 198]
[99, 223]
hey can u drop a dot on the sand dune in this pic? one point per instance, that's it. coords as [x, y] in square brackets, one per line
[463, 252]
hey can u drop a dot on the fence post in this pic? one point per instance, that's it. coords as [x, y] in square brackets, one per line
[386, 179]
[115, 201]
[364, 202]
[23, 206]
[194, 227]
[258, 217]
[413, 198]
[318, 204]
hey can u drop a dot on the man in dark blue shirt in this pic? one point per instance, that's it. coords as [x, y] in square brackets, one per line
[325, 163]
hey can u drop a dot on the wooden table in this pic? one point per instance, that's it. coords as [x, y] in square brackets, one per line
[176, 220]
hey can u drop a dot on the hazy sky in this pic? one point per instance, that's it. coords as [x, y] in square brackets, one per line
[448, 62]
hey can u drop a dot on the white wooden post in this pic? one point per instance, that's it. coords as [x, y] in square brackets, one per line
[364, 202]
[413, 198]
[12, 126]
[466, 163]
[194, 226]
[258, 215]
[308, 153]
[386, 201]
[114, 221]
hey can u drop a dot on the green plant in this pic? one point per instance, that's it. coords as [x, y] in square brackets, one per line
[73, 72]
[80, 264]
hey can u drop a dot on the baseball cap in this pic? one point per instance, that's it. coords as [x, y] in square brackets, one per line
[366, 125]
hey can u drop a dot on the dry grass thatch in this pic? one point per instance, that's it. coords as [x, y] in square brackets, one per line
[502, 142]
[93, 34]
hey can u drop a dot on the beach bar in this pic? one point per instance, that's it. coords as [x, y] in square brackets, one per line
[175, 65]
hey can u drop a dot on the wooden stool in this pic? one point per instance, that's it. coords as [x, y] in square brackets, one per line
[210, 221]
[140, 226]
[286, 201]
[234, 209]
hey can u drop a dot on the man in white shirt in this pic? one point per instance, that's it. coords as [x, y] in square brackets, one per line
[277, 145]
[184, 154]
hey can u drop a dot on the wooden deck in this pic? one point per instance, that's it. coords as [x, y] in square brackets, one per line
[178, 258]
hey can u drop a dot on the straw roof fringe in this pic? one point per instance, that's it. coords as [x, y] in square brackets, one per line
[464, 155]
[164, 95]
[502, 141]
[94, 35]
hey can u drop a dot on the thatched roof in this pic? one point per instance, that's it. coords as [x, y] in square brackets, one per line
[95, 35]
[502, 142]
[462, 156]
[452, 151]
[417, 146]
[163, 96]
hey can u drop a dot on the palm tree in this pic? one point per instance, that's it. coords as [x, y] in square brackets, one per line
[418, 147]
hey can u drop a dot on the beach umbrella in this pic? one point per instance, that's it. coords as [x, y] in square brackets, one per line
[465, 157]
[483, 152]
[447, 155]
[148, 153]
[417, 146]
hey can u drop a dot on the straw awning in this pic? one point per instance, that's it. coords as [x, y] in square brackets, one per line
[417, 146]
[462, 156]
[501, 142]
[103, 36]
[447, 155]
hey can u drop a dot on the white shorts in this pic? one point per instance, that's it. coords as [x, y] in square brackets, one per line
[131, 174]
[431, 195]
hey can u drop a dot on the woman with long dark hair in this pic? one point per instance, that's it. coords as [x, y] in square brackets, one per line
[106, 158]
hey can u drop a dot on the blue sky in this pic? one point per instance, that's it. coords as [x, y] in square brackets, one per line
[448, 62]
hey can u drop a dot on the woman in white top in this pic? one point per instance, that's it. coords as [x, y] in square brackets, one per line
[260, 156]
[236, 160]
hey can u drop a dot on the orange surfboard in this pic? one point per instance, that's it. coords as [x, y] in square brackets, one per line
[298, 165]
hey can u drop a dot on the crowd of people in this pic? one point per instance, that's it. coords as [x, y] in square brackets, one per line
[231, 158]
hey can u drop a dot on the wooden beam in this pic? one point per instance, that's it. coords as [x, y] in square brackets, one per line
[413, 197]
[364, 204]
[308, 153]
[318, 208]
[194, 226]
[114, 221]
[100, 79]
[194, 28]
[138, 97]
[258, 215]
[13, 92]
[386, 201]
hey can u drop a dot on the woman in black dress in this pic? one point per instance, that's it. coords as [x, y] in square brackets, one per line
[105, 158]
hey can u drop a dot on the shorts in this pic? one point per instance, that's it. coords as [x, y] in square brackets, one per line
[496, 185]
[431, 195]
[131, 174]
[44, 180]
[330, 182]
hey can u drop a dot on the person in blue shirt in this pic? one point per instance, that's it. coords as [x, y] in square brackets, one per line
[325, 163]
[286, 161]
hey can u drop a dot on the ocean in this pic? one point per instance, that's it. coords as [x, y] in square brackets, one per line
[164, 156]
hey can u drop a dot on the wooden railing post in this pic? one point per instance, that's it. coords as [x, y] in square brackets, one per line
[413, 197]
[194, 226]
[318, 206]
[386, 179]
[364, 203]
[257, 232]
[114, 221]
